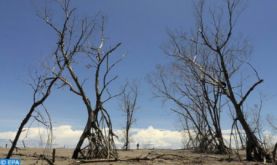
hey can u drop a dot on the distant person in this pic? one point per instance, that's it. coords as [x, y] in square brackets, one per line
[137, 146]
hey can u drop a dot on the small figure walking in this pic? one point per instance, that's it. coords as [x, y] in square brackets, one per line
[137, 146]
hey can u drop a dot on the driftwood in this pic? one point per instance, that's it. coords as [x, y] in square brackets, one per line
[150, 156]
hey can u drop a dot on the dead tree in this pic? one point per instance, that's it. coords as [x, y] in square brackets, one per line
[41, 91]
[129, 102]
[213, 53]
[197, 104]
[82, 42]
[214, 37]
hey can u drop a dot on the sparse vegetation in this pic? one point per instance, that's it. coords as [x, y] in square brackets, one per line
[203, 81]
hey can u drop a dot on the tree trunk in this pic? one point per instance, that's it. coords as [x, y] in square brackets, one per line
[99, 145]
[254, 151]
[221, 147]
[84, 135]
[23, 123]
[127, 139]
[274, 154]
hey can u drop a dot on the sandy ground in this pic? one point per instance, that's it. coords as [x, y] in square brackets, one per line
[145, 157]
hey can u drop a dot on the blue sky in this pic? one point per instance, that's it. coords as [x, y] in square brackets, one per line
[141, 27]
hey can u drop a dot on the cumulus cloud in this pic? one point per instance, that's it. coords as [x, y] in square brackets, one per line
[65, 135]
[154, 138]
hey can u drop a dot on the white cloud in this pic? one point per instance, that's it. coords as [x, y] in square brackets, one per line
[154, 138]
[65, 135]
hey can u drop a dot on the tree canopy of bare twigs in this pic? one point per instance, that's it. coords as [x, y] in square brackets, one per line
[82, 43]
[207, 64]
[197, 103]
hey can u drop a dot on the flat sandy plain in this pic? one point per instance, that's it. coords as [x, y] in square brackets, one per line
[30, 156]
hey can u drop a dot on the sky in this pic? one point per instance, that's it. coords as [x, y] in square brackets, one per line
[141, 26]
